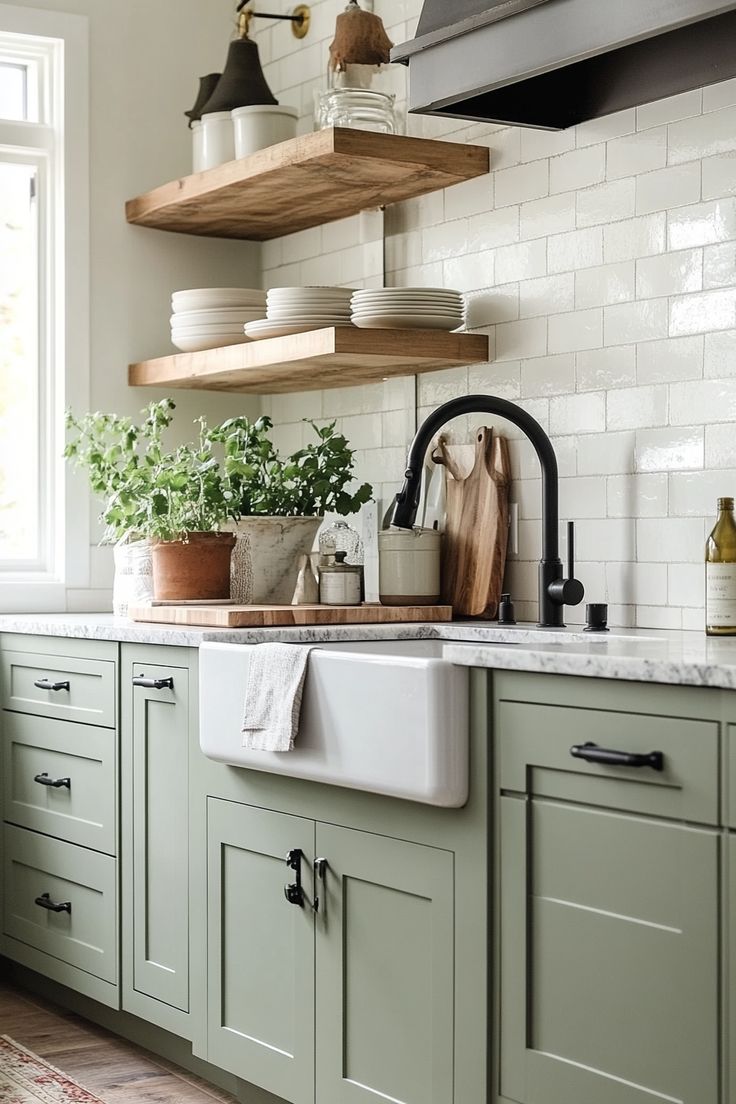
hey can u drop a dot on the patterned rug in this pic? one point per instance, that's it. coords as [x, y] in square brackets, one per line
[27, 1079]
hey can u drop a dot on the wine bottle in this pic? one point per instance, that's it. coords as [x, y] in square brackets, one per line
[720, 573]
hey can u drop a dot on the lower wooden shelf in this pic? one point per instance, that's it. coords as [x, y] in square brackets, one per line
[343, 356]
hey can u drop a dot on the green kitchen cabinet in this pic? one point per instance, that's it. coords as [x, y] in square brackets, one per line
[347, 995]
[385, 970]
[608, 929]
[158, 695]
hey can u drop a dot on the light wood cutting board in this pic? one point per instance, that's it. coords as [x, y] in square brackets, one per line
[476, 526]
[248, 617]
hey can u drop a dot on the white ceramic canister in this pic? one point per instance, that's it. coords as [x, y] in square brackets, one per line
[218, 141]
[409, 567]
[259, 125]
[197, 146]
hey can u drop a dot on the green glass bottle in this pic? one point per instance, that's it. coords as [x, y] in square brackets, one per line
[720, 573]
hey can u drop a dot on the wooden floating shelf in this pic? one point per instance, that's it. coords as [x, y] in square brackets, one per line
[333, 357]
[305, 182]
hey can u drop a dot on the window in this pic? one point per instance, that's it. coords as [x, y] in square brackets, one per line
[43, 161]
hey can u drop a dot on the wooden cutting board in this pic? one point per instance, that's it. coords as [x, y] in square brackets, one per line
[476, 526]
[248, 617]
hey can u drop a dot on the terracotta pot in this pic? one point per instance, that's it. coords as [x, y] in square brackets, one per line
[195, 569]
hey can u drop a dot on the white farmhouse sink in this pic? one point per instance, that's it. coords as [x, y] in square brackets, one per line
[389, 717]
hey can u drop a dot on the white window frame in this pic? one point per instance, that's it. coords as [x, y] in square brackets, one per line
[58, 143]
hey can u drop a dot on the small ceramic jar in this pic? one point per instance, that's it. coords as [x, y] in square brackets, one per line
[217, 139]
[340, 583]
[197, 148]
[409, 567]
[259, 125]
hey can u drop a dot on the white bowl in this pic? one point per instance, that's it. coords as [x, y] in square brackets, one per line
[335, 292]
[203, 298]
[407, 322]
[228, 315]
[207, 331]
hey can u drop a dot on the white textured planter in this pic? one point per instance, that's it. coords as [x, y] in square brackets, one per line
[260, 125]
[265, 561]
[133, 583]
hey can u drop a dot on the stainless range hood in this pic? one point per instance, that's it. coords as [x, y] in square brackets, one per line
[554, 63]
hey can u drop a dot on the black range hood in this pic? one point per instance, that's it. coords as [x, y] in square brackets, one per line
[555, 63]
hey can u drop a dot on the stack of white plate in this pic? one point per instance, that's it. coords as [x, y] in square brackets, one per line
[409, 308]
[207, 318]
[293, 310]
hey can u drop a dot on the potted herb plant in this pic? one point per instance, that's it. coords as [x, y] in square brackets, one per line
[178, 502]
[282, 502]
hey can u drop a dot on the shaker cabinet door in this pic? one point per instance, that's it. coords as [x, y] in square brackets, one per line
[609, 956]
[260, 949]
[385, 951]
[155, 756]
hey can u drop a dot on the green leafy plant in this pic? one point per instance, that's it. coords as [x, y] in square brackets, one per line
[230, 471]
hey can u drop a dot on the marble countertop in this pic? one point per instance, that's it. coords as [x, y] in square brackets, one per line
[640, 655]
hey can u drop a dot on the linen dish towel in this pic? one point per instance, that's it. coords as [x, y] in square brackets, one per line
[273, 696]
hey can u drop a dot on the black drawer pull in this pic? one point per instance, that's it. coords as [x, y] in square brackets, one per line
[46, 684]
[45, 902]
[57, 783]
[594, 754]
[153, 684]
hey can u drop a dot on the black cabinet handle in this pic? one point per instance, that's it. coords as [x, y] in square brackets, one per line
[45, 902]
[294, 892]
[57, 783]
[47, 684]
[153, 684]
[594, 754]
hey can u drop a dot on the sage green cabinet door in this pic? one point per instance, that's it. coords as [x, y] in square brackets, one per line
[730, 969]
[384, 938]
[260, 950]
[609, 956]
[157, 783]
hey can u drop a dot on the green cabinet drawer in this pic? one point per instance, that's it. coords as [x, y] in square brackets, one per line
[39, 869]
[85, 687]
[538, 738]
[82, 809]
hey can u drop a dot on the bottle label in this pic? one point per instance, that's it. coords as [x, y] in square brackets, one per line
[720, 595]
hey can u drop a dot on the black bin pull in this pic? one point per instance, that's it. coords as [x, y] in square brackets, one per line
[591, 753]
[44, 780]
[153, 683]
[294, 891]
[47, 684]
[45, 902]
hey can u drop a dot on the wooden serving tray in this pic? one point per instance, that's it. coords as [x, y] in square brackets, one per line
[248, 617]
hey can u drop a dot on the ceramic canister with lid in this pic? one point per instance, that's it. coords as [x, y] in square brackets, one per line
[217, 140]
[340, 583]
[409, 566]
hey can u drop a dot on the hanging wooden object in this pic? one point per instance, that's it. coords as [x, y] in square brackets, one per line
[360, 39]
[476, 527]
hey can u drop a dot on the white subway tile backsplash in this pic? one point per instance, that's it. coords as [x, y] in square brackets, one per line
[669, 274]
[605, 284]
[636, 237]
[702, 224]
[637, 153]
[600, 262]
[536, 296]
[714, 132]
[575, 249]
[644, 320]
[636, 407]
[663, 450]
[674, 358]
[577, 169]
[710, 310]
[719, 265]
[719, 175]
[577, 330]
[605, 203]
[522, 182]
[601, 369]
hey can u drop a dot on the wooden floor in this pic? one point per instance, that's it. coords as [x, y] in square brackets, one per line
[108, 1066]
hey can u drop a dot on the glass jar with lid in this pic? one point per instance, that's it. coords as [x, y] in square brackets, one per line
[341, 537]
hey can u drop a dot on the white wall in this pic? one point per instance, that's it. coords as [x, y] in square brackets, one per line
[601, 261]
[145, 59]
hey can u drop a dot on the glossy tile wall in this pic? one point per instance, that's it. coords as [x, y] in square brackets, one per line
[601, 261]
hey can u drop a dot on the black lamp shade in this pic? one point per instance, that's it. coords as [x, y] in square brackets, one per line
[207, 86]
[242, 82]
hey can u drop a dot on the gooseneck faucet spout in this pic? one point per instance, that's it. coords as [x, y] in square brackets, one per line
[555, 591]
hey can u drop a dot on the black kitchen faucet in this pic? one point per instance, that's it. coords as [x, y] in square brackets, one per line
[555, 591]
